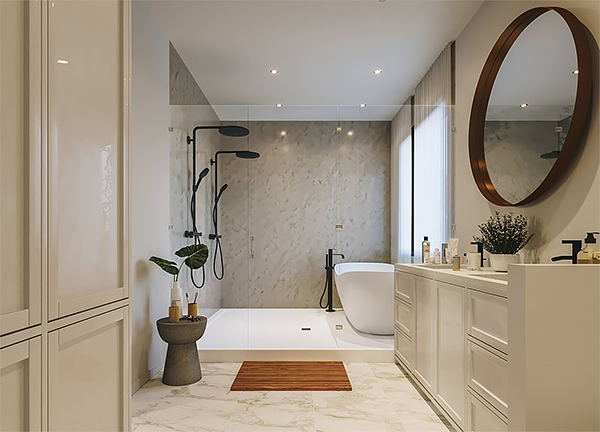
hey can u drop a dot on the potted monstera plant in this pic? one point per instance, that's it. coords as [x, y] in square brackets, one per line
[503, 236]
[194, 257]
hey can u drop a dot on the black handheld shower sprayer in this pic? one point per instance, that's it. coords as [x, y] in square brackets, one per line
[242, 154]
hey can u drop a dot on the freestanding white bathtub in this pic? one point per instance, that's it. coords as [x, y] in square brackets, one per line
[367, 294]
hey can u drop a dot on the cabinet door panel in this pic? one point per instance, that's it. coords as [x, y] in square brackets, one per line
[425, 334]
[404, 286]
[20, 165]
[88, 374]
[87, 150]
[451, 358]
[20, 386]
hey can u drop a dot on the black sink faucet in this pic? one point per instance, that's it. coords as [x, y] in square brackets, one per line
[576, 247]
[480, 252]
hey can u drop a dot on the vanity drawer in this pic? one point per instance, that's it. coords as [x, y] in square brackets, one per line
[403, 317]
[403, 347]
[488, 319]
[482, 418]
[488, 376]
[404, 284]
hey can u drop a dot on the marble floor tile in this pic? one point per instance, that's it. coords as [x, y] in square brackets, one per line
[382, 399]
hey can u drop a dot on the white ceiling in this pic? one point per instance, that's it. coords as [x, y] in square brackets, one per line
[326, 51]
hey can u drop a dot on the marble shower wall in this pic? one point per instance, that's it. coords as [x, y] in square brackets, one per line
[189, 108]
[279, 213]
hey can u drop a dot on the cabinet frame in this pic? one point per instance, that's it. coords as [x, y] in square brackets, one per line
[68, 334]
[30, 350]
[61, 308]
[31, 315]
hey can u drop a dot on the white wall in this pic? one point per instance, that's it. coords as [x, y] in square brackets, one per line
[149, 170]
[574, 206]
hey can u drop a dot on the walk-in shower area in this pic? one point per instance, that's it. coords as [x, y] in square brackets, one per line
[284, 185]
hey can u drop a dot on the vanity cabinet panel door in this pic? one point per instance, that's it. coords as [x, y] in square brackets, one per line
[88, 364]
[20, 164]
[488, 319]
[21, 386]
[451, 350]
[404, 286]
[88, 130]
[425, 332]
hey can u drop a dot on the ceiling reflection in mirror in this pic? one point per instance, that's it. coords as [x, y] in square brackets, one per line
[530, 108]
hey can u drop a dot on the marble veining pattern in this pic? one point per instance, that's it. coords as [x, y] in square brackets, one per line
[382, 400]
[279, 213]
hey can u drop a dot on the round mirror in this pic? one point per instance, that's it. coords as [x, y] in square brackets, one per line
[530, 107]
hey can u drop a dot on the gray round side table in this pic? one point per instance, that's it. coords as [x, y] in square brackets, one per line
[182, 365]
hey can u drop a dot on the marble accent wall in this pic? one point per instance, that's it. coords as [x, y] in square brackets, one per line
[279, 213]
[189, 108]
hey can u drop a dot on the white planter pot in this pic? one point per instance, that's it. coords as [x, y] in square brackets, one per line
[176, 297]
[500, 262]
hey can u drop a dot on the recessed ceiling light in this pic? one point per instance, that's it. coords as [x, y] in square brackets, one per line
[350, 133]
[362, 105]
[524, 105]
[62, 62]
[339, 128]
[378, 71]
[274, 71]
[575, 72]
[278, 105]
[283, 133]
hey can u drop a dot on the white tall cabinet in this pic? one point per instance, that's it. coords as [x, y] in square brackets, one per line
[64, 299]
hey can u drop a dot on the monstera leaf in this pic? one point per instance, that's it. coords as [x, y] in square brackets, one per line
[195, 255]
[168, 266]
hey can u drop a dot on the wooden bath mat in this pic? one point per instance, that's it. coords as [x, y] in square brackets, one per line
[291, 376]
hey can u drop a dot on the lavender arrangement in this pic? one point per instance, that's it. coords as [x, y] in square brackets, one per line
[504, 234]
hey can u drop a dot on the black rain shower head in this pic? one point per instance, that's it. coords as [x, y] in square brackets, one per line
[234, 131]
[227, 130]
[245, 154]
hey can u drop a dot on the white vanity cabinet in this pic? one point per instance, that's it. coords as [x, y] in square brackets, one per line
[425, 332]
[450, 353]
[430, 338]
[463, 360]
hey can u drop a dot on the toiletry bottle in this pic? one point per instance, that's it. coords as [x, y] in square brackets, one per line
[589, 254]
[445, 253]
[437, 257]
[173, 312]
[456, 263]
[425, 250]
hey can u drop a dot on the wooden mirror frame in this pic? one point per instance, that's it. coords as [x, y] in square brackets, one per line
[483, 93]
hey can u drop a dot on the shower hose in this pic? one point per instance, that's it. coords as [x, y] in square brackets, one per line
[218, 250]
[324, 291]
[196, 241]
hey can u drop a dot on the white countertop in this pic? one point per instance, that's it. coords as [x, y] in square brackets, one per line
[485, 280]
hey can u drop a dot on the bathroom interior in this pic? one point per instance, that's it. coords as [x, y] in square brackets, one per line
[299, 215]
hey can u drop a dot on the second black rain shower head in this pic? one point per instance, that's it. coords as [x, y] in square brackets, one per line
[245, 154]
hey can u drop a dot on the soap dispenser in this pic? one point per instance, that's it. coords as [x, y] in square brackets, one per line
[589, 254]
